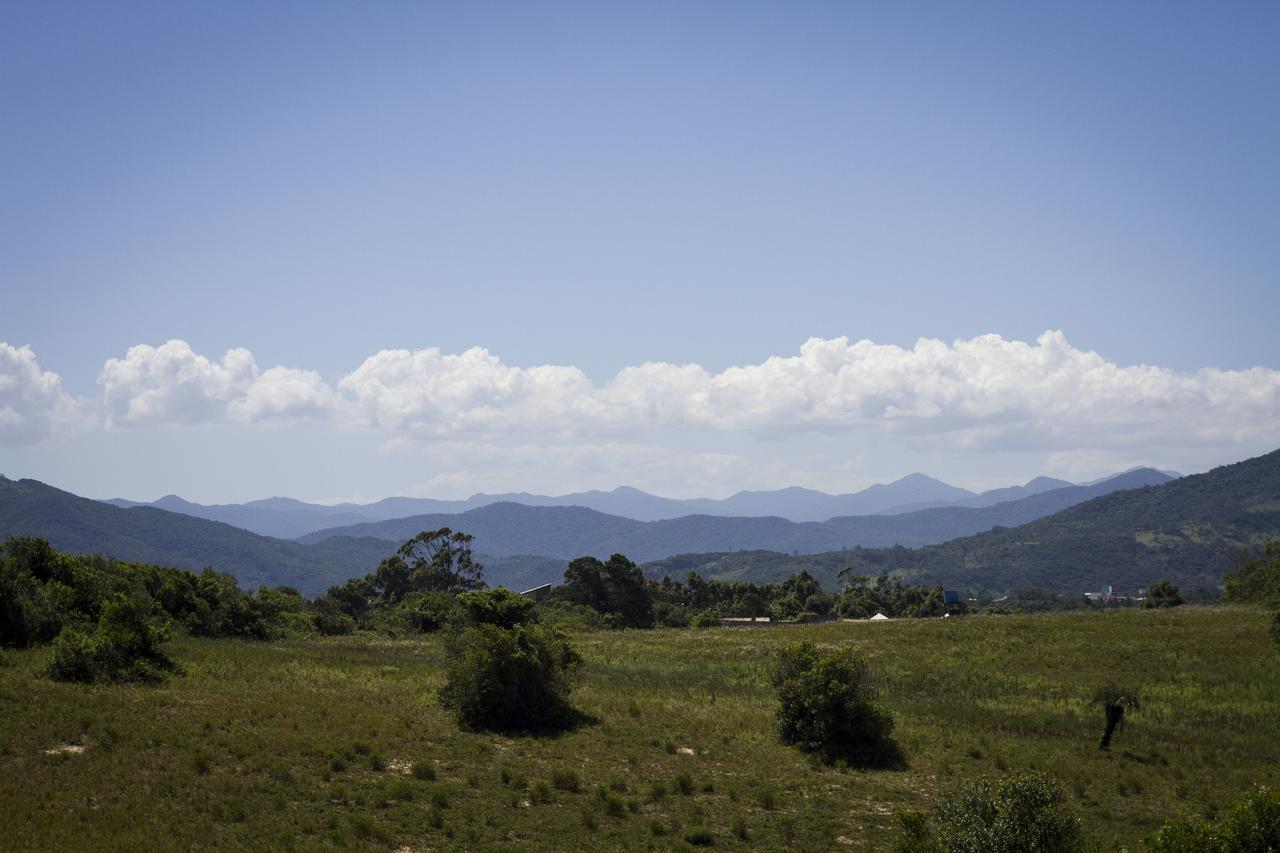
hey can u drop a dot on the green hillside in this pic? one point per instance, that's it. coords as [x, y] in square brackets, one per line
[148, 535]
[1187, 530]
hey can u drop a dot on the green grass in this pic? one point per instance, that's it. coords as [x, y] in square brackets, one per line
[311, 744]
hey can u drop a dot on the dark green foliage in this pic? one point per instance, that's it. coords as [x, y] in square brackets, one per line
[425, 612]
[125, 646]
[863, 598]
[1114, 701]
[614, 587]
[509, 679]
[1275, 629]
[499, 606]
[415, 590]
[1251, 826]
[827, 704]
[1163, 594]
[43, 591]
[705, 619]
[1021, 813]
[1257, 581]
[433, 561]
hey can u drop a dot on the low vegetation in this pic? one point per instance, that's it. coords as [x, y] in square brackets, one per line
[1253, 824]
[340, 742]
[1021, 812]
[390, 738]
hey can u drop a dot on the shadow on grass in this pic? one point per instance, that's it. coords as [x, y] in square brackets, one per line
[567, 723]
[886, 755]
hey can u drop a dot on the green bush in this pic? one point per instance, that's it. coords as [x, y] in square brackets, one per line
[1021, 812]
[1275, 629]
[1163, 594]
[499, 606]
[333, 624]
[427, 612]
[509, 678]
[827, 703]
[125, 646]
[706, 619]
[1251, 826]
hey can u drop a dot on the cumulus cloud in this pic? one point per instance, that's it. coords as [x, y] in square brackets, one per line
[173, 385]
[33, 405]
[431, 394]
[977, 394]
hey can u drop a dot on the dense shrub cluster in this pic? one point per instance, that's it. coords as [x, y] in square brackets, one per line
[863, 597]
[1253, 824]
[508, 679]
[827, 704]
[1163, 594]
[1257, 581]
[415, 590]
[125, 645]
[43, 592]
[615, 588]
[1020, 813]
[799, 598]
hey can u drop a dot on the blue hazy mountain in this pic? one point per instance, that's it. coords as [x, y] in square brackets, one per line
[287, 518]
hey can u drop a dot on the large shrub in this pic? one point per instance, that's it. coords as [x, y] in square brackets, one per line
[126, 645]
[1251, 826]
[1020, 813]
[499, 606]
[1163, 594]
[509, 678]
[827, 703]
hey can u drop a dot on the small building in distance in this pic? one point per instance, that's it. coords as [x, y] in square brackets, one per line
[538, 592]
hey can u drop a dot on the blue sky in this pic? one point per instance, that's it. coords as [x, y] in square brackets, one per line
[604, 185]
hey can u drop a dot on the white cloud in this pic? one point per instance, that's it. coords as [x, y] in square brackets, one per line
[979, 394]
[33, 406]
[466, 468]
[660, 423]
[173, 385]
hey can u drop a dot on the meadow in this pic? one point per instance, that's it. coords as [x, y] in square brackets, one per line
[340, 743]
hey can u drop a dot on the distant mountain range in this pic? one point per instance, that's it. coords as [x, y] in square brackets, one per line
[287, 518]
[567, 532]
[523, 545]
[1187, 530]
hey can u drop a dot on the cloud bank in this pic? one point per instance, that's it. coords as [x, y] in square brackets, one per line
[981, 394]
[33, 406]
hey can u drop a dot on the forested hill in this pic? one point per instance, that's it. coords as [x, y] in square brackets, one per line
[148, 535]
[1184, 530]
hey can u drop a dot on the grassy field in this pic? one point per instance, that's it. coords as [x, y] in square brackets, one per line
[305, 745]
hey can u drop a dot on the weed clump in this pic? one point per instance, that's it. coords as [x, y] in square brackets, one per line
[566, 780]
